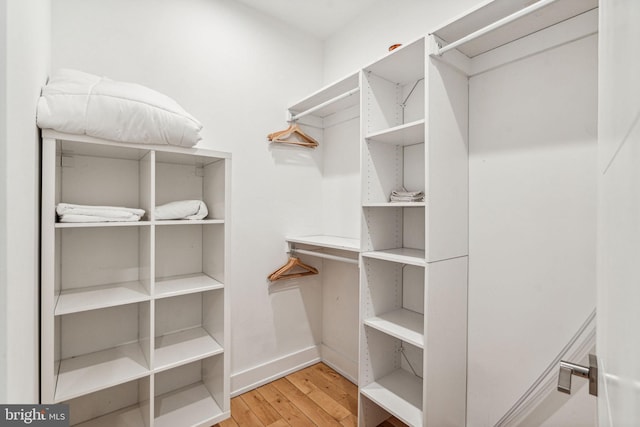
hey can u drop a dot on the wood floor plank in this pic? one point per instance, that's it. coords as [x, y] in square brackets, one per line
[287, 410]
[335, 383]
[316, 396]
[229, 422]
[242, 414]
[300, 379]
[315, 413]
[350, 421]
[321, 391]
[396, 422]
[330, 406]
[260, 407]
[350, 403]
[336, 379]
[335, 401]
[270, 393]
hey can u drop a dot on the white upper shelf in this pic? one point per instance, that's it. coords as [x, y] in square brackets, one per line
[491, 12]
[332, 91]
[70, 144]
[403, 65]
[331, 242]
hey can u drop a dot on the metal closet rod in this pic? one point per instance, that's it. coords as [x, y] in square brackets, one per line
[499, 23]
[295, 117]
[323, 255]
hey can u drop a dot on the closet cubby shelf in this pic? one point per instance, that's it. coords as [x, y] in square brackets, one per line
[130, 417]
[394, 204]
[402, 135]
[330, 242]
[188, 221]
[101, 224]
[183, 347]
[96, 371]
[192, 405]
[96, 297]
[399, 393]
[186, 284]
[399, 255]
[403, 324]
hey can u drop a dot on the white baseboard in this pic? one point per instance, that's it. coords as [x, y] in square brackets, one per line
[251, 378]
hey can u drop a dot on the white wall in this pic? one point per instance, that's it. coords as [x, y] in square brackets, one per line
[387, 22]
[27, 58]
[236, 70]
[532, 219]
[3, 203]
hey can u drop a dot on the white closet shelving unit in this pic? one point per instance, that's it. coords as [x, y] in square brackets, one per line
[332, 113]
[135, 315]
[413, 302]
[413, 355]
[414, 261]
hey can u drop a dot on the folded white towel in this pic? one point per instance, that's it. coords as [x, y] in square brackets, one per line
[183, 209]
[406, 196]
[74, 213]
[92, 218]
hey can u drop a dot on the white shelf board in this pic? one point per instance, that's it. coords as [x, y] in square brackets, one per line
[329, 92]
[101, 224]
[489, 12]
[403, 324]
[403, 65]
[184, 347]
[187, 284]
[99, 147]
[188, 221]
[82, 145]
[331, 242]
[402, 135]
[96, 371]
[400, 255]
[188, 406]
[400, 394]
[95, 297]
[193, 157]
[129, 417]
[394, 205]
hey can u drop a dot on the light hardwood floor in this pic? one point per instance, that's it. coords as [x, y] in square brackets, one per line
[314, 396]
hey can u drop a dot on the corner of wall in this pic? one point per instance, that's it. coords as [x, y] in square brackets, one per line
[3, 202]
[27, 57]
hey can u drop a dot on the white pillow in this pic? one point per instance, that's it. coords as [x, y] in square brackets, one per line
[81, 103]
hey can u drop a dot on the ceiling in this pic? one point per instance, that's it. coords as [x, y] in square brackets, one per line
[320, 18]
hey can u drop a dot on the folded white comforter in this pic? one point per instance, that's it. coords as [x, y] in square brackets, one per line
[86, 213]
[183, 209]
[84, 104]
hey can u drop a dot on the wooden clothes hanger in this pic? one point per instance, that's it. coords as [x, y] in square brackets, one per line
[284, 272]
[293, 129]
